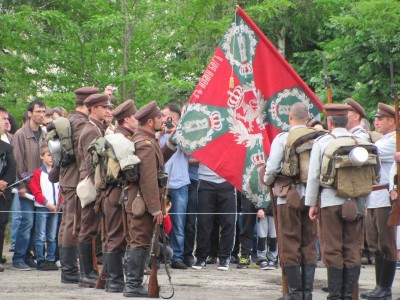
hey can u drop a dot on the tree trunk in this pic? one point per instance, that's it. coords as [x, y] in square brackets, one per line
[282, 41]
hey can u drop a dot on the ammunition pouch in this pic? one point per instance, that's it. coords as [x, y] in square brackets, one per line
[282, 185]
[293, 199]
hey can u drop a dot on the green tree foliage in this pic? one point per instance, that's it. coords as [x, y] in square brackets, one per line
[158, 49]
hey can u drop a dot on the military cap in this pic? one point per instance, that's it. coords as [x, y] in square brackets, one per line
[385, 110]
[84, 92]
[336, 109]
[125, 110]
[148, 111]
[356, 107]
[98, 100]
[114, 101]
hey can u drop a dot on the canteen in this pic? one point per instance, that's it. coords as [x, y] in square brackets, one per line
[358, 156]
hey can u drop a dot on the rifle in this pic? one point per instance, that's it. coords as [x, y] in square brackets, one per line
[327, 82]
[394, 218]
[285, 289]
[154, 288]
[101, 279]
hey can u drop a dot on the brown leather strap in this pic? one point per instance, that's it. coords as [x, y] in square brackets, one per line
[380, 187]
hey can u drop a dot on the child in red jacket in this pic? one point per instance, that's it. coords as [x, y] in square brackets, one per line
[46, 197]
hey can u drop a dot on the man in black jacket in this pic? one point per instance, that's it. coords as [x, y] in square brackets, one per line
[8, 175]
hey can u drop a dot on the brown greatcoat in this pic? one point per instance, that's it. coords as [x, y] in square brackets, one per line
[140, 228]
[114, 240]
[26, 151]
[69, 179]
[90, 220]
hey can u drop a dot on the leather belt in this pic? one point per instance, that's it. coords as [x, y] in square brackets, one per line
[380, 187]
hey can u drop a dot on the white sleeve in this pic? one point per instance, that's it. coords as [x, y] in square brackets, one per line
[274, 162]
[392, 173]
[314, 171]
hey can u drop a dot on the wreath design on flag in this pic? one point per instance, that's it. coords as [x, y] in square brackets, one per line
[193, 125]
[240, 33]
[276, 110]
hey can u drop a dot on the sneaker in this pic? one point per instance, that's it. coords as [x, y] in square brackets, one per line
[262, 264]
[189, 261]
[244, 263]
[271, 265]
[41, 265]
[200, 264]
[211, 260]
[178, 265]
[21, 267]
[51, 266]
[235, 259]
[223, 264]
[398, 265]
[3, 260]
[58, 264]
[12, 249]
[31, 262]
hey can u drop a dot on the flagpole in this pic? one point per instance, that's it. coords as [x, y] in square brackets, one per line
[327, 82]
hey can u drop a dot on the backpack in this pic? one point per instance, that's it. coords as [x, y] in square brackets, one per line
[297, 152]
[59, 133]
[339, 172]
[113, 159]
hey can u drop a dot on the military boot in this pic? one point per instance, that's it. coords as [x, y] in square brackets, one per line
[294, 281]
[384, 289]
[378, 272]
[335, 283]
[114, 272]
[307, 276]
[89, 275]
[135, 260]
[350, 278]
[69, 270]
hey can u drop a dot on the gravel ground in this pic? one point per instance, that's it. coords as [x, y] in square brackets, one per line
[189, 284]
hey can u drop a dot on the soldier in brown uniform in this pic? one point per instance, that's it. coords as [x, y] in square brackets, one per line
[298, 234]
[147, 191]
[69, 178]
[114, 240]
[99, 108]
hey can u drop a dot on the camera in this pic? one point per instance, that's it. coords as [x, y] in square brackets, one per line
[169, 123]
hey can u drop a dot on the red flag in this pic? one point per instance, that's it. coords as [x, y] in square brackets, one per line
[240, 104]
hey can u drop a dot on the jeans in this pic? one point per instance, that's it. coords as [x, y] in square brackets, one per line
[23, 238]
[16, 217]
[45, 232]
[190, 226]
[179, 198]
